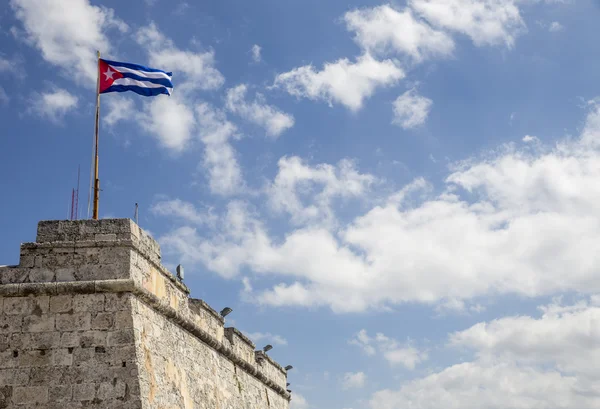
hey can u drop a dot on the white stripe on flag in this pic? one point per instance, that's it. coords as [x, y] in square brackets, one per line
[146, 74]
[143, 84]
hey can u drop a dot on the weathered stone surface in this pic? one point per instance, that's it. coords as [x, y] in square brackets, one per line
[91, 319]
[32, 394]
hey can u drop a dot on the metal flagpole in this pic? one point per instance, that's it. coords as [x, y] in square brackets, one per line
[96, 179]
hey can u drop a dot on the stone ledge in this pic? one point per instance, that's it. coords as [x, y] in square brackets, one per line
[202, 304]
[232, 330]
[133, 244]
[128, 285]
[275, 364]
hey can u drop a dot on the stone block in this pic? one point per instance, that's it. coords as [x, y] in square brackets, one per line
[101, 272]
[84, 392]
[83, 356]
[61, 303]
[30, 394]
[121, 337]
[123, 320]
[92, 338]
[35, 357]
[8, 359]
[105, 237]
[66, 274]
[111, 390]
[62, 357]
[70, 339]
[77, 321]
[38, 323]
[104, 320]
[18, 305]
[14, 275]
[41, 275]
[88, 302]
[42, 340]
[60, 393]
[52, 375]
[14, 376]
[117, 302]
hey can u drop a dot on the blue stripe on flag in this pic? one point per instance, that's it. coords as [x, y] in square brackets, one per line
[148, 92]
[135, 67]
[160, 81]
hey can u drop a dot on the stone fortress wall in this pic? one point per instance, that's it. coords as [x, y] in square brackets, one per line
[91, 319]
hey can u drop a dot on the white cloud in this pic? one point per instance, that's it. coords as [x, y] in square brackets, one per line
[267, 337]
[555, 26]
[13, 66]
[53, 105]
[409, 357]
[196, 67]
[182, 210]
[520, 362]
[530, 139]
[344, 82]
[565, 337]
[298, 402]
[225, 176]
[256, 50]
[363, 340]
[487, 22]
[297, 183]
[354, 380]
[120, 108]
[411, 110]
[4, 98]
[258, 112]
[475, 385]
[6, 65]
[171, 120]
[394, 352]
[383, 29]
[535, 213]
[68, 36]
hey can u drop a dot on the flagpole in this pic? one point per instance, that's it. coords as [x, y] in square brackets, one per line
[96, 179]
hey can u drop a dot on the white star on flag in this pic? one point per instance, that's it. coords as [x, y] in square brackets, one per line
[109, 74]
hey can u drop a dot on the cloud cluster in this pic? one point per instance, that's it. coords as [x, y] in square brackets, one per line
[343, 81]
[532, 211]
[396, 353]
[306, 192]
[520, 362]
[258, 111]
[383, 30]
[197, 68]
[392, 40]
[411, 109]
[53, 105]
[68, 36]
[486, 22]
[266, 337]
[354, 380]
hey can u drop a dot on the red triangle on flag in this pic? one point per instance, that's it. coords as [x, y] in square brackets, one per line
[108, 75]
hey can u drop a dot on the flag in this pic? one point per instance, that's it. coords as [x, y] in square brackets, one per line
[121, 76]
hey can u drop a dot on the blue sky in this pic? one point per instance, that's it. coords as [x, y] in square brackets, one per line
[402, 197]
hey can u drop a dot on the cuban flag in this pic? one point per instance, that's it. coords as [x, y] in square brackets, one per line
[121, 76]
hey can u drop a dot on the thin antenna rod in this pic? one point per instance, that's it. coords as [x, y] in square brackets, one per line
[73, 204]
[77, 194]
[135, 215]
